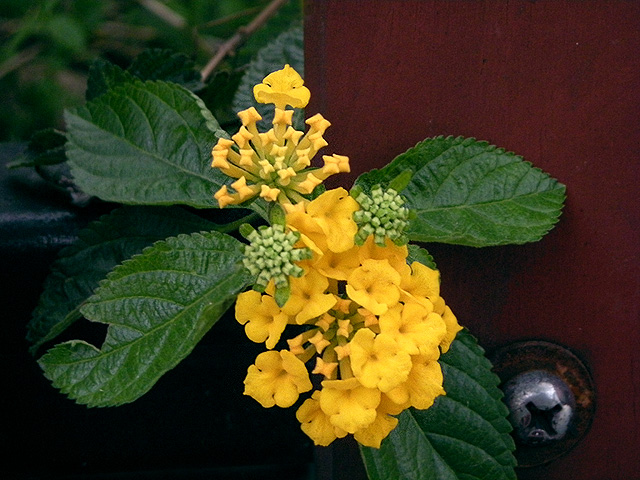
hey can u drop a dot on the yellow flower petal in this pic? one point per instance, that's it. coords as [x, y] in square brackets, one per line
[269, 193]
[348, 404]
[249, 116]
[453, 328]
[377, 360]
[277, 378]
[327, 369]
[415, 328]
[262, 318]
[338, 265]
[373, 435]
[374, 285]
[423, 384]
[316, 424]
[283, 87]
[423, 281]
[333, 212]
[307, 299]
[223, 197]
[395, 255]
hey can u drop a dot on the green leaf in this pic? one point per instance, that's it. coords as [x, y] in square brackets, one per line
[100, 247]
[218, 96]
[103, 76]
[158, 305]
[419, 254]
[46, 147]
[287, 48]
[145, 143]
[463, 436]
[467, 192]
[167, 65]
[151, 64]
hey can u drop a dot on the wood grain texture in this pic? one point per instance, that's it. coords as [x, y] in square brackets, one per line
[557, 82]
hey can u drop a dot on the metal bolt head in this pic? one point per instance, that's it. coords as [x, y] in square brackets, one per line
[541, 407]
[554, 360]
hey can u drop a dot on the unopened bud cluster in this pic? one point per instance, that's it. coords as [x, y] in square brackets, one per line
[382, 214]
[271, 256]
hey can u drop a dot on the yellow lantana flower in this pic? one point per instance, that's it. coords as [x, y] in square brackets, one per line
[414, 327]
[348, 404]
[283, 87]
[262, 318]
[308, 298]
[333, 212]
[378, 361]
[275, 165]
[374, 285]
[326, 221]
[373, 434]
[422, 386]
[277, 378]
[317, 424]
[334, 271]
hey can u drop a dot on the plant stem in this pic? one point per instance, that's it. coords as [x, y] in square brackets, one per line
[233, 226]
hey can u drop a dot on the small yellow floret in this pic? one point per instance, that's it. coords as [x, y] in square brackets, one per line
[283, 87]
[277, 378]
[374, 285]
[378, 361]
[335, 164]
[309, 184]
[269, 193]
[262, 318]
[249, 116]
[223, 197]
[349, 405]
[325, 368]
[282, 117]
[316, 424]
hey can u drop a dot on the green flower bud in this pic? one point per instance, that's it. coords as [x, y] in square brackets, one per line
[382, 214]
[270, 255]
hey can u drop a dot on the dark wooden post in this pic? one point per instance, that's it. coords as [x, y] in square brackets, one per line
[557, 82]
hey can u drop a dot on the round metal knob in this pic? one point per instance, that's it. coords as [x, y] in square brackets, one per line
[551, 398]
[541, 407]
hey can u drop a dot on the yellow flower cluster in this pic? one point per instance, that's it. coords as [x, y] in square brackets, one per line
[370, 326]
[275, 165]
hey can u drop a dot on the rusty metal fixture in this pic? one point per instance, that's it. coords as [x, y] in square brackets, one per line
[551, 398]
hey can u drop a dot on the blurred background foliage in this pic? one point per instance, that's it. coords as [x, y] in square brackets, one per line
[47, 47]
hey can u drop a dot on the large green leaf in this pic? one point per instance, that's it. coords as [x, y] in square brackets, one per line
[158, 305]
[463, 436]
[468, 192]
[145, 143]
[167, 65]
[103, 76]
[100, 247]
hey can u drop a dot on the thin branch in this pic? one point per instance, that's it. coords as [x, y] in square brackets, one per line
[241, 34]
[18, 60]
[228, 18]
[165, 13]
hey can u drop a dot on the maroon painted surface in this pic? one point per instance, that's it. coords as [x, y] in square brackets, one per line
[557, 82]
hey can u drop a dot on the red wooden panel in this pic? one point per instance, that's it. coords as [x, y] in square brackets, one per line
[557, 82]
